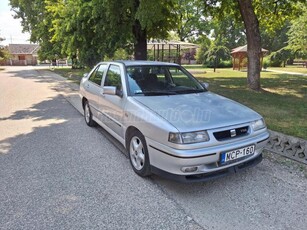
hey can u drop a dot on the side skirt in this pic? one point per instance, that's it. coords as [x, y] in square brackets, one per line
[115, 135]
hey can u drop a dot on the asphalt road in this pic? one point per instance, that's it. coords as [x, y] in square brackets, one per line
[57, 173]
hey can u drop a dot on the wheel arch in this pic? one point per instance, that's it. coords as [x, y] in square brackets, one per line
[129, 130]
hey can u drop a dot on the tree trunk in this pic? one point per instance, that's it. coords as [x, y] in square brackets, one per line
[140, 44]
[253, 43]
[74, 61]
[215, 64]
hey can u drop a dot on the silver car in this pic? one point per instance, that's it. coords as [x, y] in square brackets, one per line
[169, 122]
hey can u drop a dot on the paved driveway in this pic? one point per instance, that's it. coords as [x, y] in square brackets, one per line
[57, 173]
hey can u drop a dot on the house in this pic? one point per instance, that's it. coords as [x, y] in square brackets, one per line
[23, 54]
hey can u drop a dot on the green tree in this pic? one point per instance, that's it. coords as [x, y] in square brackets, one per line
[36, 20]
[275, 41]
[4, 54]
[228, 31]
[216, 52]
[204, 44]
[256, 14]
[191, 20]
[93, 29]
[225, 35]
[134, 22]
[298, 32]
[281, 56]
[73, 26]
[140, 20]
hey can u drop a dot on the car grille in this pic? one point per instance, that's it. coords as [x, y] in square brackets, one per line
[231, 133]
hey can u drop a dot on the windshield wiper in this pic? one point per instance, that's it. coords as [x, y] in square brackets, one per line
[189, 91]
[156, 92]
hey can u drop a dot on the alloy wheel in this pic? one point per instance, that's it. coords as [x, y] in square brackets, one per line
[137, 155]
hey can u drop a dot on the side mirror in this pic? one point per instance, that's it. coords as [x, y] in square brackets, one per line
[85, 74]
[205, 85]
[111, 90]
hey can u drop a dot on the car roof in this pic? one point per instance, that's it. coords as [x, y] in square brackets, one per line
[144, 63]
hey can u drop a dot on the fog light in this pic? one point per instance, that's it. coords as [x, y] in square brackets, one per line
[189, 169]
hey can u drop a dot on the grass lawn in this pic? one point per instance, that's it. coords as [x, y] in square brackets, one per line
[283, 103]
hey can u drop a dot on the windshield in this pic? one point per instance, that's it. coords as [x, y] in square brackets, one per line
[161, 80]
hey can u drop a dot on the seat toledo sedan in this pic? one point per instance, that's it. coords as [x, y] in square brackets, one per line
[169, 122]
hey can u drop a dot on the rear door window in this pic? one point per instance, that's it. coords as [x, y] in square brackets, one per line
[97, 75]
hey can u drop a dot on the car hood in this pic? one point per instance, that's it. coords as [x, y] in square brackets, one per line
[201, 111]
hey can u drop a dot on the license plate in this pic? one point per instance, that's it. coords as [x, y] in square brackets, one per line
[233, 155]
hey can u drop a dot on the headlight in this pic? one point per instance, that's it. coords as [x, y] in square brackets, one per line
[259, 124]
[188, 138]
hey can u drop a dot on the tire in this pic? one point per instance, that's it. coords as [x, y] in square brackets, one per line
[138, 154]
[88, 116]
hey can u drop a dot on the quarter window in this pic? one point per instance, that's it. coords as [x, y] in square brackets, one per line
[113, 77]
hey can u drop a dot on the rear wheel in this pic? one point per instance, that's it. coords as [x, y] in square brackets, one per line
[138, 154]
[88, 117]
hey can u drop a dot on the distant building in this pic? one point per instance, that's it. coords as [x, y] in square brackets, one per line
[23, 54]
[239, 57]
[172, 51]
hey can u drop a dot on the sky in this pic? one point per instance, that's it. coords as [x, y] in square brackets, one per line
[10, 28]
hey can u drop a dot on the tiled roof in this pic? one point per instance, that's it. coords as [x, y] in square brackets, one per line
[243, 49]
[23, 48]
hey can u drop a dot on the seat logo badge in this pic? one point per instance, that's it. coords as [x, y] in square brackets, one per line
[233, 133]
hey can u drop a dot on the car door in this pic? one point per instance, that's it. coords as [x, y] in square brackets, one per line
[93, 87]
[112, 106]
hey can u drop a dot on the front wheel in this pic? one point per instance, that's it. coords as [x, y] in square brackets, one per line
[88, 117]
[138, 154]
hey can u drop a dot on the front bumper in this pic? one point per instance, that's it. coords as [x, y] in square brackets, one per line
[207, 176]
[168, 162]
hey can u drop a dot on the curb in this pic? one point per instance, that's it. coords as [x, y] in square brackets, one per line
[69, 89]
[288, 146]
